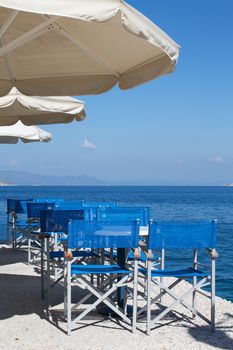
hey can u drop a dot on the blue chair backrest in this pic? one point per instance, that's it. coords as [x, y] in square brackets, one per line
[57, 220]
[96, 234]
[48, 200]
[116, 214]
[99, 204]
[17, 205]
[34, 209]
[69, 205]
[181, 235]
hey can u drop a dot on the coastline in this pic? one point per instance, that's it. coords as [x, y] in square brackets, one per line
[24, 326]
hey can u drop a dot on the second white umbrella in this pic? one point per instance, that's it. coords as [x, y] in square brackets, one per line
[12, 134]
[36, 110]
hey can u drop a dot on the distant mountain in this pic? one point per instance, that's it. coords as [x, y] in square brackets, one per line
[6, 183]
[23, 178]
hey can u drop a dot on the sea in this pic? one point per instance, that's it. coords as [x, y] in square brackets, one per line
[167, 203]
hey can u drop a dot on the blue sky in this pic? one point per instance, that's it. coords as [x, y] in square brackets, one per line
[177, 129]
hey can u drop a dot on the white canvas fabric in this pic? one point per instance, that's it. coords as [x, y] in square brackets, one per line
[19, 131]
[36, 110]
[74, 47]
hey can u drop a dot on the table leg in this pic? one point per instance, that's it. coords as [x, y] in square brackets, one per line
[121, 260]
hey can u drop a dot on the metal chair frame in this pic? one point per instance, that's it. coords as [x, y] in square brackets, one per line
[15, 209]
[200, 279]
[116, 276]
[54, 225]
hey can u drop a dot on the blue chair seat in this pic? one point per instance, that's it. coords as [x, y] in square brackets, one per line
[76, 254]
[21, 223]
[98, 269]
[188, 272]
[24, 223]
[62, 239]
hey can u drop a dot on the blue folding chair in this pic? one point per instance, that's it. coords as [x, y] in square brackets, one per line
[24, 227]
[32, 226]
[54, 231]
[176, 236]
[128, 213]
[82, 203]
[119, 213]
[15, 209]
[100, 235]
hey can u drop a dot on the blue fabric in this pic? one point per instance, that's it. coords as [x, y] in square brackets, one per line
[117, 214]
[63, 239]
[17, 205]
[95, 234]
[98, 269]
[26, 224]
[70, 205]
[58, 220]
[177, 235]
[21, 223]
[48, 200]
[99, 204]
[188, 272]
[76, 254]
[34, 208]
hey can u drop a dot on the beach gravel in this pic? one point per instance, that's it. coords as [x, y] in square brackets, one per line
[24, 326]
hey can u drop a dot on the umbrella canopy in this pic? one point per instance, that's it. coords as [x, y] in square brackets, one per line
[34, 110]
[74, 47]
[14, 133]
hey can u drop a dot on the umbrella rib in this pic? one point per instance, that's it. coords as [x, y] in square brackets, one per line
[41, 29]
[8, 64]
[3, 30]
[30, 35]
[8, 22]
[90, 52]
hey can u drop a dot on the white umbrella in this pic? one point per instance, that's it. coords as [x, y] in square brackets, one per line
[34, 110]
[19, 131]
[74, 47]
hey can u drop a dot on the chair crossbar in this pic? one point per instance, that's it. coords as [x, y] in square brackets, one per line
[158, 296]
[204, 293]
[180, 300]
[104, 284]
[201, 264]
[102, 297]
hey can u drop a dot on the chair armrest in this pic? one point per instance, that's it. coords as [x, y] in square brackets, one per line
[43, 235]
[213, 253]
[136, 253]
[68, 254]
[147, 252]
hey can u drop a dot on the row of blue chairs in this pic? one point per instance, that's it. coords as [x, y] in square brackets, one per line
[92, 243]
[113, 233]
[23, 215]
[125, 235]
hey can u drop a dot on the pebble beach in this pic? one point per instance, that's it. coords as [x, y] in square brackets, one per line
[24, 324]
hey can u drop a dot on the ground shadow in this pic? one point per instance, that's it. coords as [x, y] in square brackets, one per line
[219, 338]
[8, 257]
[20, 295]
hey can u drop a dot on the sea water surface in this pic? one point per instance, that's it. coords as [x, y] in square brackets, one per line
[167, 203]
